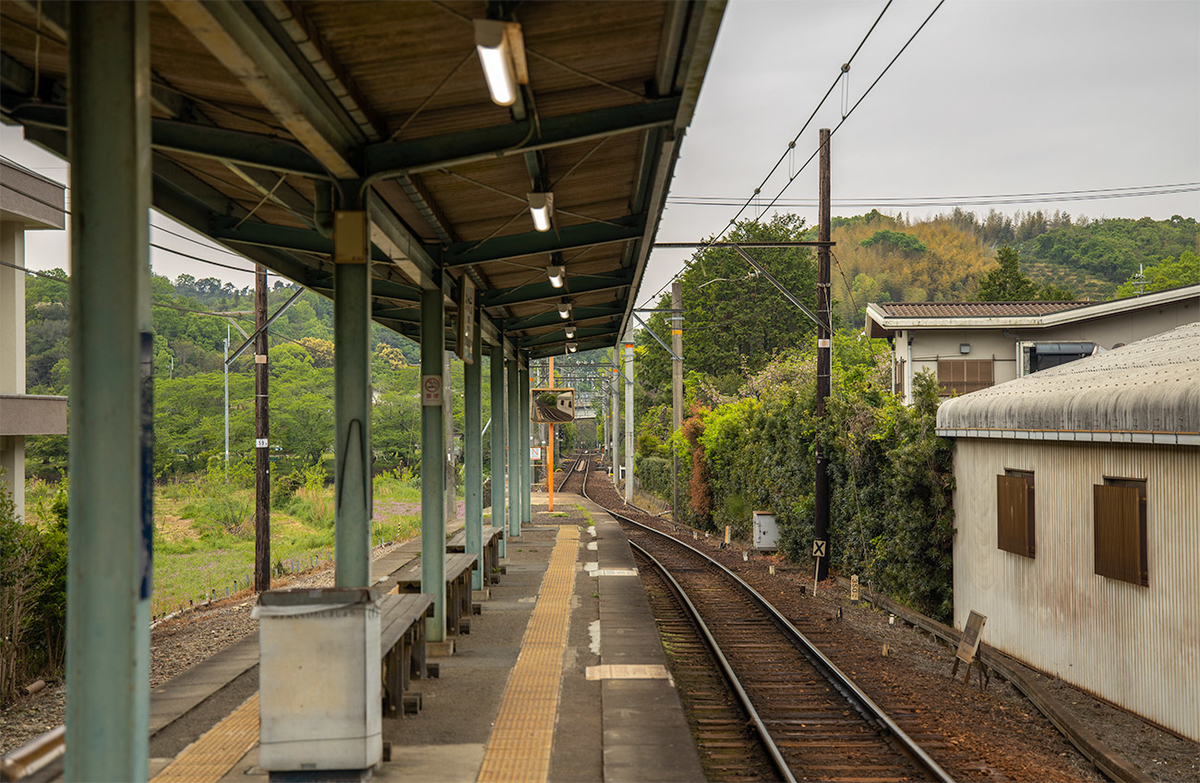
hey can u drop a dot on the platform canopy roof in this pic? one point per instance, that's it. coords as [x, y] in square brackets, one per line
[268, 115]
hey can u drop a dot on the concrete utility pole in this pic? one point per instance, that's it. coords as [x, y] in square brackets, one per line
[676, 384]
[629, 415]
[262, 435]
[824, 364]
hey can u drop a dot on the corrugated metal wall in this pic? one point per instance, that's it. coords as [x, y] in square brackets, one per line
[1138, 647]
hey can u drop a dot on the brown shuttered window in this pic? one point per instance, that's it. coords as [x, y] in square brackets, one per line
[1014, 513]
[1120, 530]
[959, 376]
[899, 387]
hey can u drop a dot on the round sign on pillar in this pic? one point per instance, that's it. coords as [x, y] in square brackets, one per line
[431, 390]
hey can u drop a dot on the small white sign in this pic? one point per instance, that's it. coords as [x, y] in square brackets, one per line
[535, 453]
[818, 548]
[260, 443]
[854, 587]
[431, 390]
[824, 342]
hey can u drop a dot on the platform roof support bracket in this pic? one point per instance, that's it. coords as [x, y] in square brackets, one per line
[515, 471]
[499, 473]
[352, 399]
[110, 535]
[433, 473]
[473, 454]
[523, 454]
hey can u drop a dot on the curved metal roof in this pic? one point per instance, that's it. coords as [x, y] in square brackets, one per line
[1144, 392]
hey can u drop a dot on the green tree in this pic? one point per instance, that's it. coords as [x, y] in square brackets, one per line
[1168, 273]
[1007, 283]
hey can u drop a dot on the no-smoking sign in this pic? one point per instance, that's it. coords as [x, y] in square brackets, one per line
[431, 390]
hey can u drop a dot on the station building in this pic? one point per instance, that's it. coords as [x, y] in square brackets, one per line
[1077, 506]
[975, 345]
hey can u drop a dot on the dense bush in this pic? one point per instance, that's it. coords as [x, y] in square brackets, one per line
[33, 593]
[890, 475]
[654, 473]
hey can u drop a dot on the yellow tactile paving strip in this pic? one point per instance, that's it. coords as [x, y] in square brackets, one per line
[522, 737]
[208, 759]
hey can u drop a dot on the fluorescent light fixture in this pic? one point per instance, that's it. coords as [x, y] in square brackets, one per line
[570, 331]
[557, 275]
[572, 347]
[491, 43]
[541, 206]
[564, 309]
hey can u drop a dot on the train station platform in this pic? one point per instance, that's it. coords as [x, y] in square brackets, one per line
[562, 677]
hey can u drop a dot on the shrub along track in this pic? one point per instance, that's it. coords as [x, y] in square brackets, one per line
[975, 736]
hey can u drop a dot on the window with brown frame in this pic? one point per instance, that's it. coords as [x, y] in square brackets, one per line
[1119, 515]
[959, 376]
[898, 389]
[1014, 513]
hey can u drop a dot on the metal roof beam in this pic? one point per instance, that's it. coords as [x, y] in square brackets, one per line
[238, 39]
[581, 284]
[558, 338]
[536, 242]
[557, 350]
[552, 318]
[393, 158]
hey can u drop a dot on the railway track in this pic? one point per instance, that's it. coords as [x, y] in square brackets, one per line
[810, 720]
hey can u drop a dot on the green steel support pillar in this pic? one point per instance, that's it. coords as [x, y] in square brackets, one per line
[109, 565]
[498, 445]
[473, 453]
[526, 466]
[352, 397]
[514, 448]
[433, 459]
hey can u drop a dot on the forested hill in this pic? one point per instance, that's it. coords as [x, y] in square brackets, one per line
[884, 258]
[189, 328]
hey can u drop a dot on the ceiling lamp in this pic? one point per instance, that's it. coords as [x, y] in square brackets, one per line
[564, 309]
[557, 275]
[541, 206]
[496, 57]
[572, 347]
[570, 331]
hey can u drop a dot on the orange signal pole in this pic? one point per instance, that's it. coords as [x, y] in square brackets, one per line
[550, 449]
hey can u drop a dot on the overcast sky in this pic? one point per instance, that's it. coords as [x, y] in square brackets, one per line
[993, 97]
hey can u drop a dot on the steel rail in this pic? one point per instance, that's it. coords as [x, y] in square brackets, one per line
[764, 735]
[863, 703]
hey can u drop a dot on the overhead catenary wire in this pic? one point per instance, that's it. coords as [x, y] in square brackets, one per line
[1133, 191]
[842, 70]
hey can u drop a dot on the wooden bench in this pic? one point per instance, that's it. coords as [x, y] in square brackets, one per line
[402, 646]
[491, 551]
[458, 589]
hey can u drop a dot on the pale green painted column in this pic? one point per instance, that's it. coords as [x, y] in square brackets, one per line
[499, 414]
[526, 465]
[433, 459]
[514, 448]
[352, 398]
[109, 562]
[473, 453]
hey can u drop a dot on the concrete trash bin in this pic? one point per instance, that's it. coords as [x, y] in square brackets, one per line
[319, 680]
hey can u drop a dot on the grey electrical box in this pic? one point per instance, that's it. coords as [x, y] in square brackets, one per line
[766, 531]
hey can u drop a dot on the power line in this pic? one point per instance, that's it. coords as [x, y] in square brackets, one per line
[842, 71]
[950, 201]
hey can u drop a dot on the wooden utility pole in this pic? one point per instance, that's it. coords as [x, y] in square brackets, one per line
[676, 384]
[824, 366]
[262, 434]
